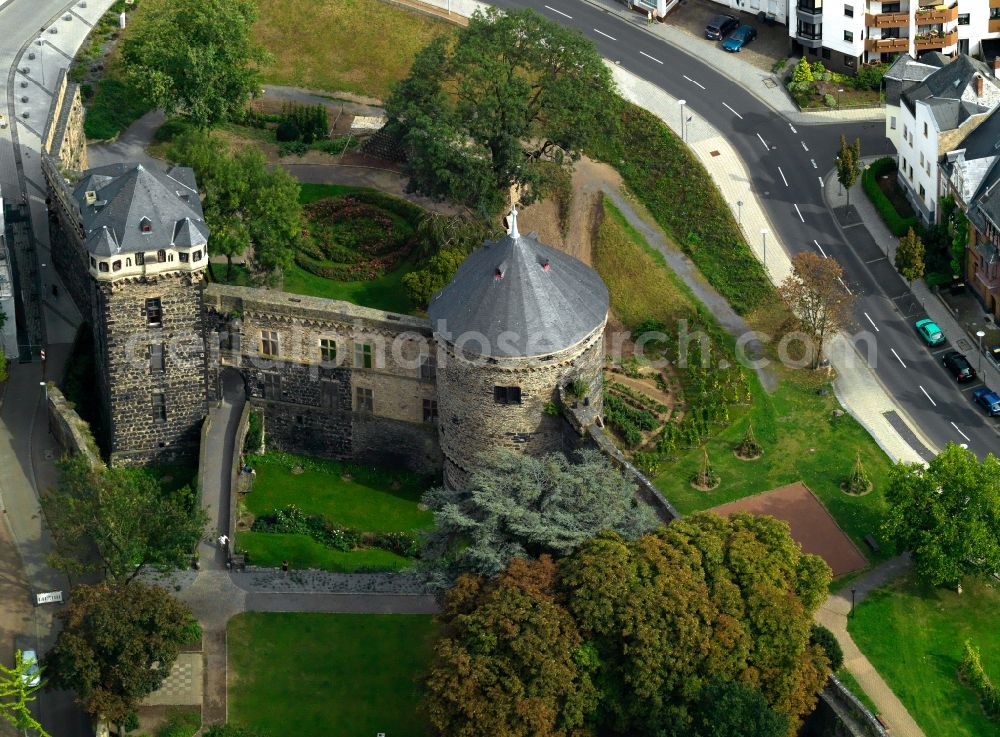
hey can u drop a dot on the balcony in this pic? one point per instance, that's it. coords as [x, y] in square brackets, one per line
[994, 25]
[936, 42]
[935, 16]
[887, 45]
[995, 3]
[887, 20]
[810, 12]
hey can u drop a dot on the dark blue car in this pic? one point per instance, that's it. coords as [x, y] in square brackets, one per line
[988, 399]
[739, 38]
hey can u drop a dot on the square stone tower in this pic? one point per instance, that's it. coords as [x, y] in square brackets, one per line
[140, 238]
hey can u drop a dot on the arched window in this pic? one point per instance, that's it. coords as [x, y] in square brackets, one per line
[170, 257]
[161, 255]
[128, 262]
[103, 266]
[116, 266]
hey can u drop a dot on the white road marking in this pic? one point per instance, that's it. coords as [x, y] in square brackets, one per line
[897, 356]
[763, 141]
[692, 81]
[650, 57]
[733, 111]
[822, 184]
[873, 323]
[782, 176]
[820, 248]
[928, 396]
[844, 285]
[559, 11]
[605, 35]
[813, 162]
[804, 146]
[793, 128]
[960, 432]
[799, 212]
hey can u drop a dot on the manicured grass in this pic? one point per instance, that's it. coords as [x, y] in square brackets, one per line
[113, 108]
[913, 634]
[270, 549]
[802, 441]
[172, 476]
[328, 675]
[845, 677]
[640, 284]
[385, 293]
[181, 721]
[367, 501]
[359, 46]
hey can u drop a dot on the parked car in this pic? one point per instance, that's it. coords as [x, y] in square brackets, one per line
[959, 366]
[929, 331]
[739, 38]
[988, 399]
[720, 26]
[994, 353]
[31, 676]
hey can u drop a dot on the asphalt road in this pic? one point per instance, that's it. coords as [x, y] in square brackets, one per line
[787, 162]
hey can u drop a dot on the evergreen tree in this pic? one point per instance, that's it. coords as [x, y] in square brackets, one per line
[910, 256]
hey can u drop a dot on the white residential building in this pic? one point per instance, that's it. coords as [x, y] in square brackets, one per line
[846, 33]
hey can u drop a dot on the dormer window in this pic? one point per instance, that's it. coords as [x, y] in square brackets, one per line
[161, 256]
[145, 225]
[90, 197]
[117, 265]
[140, 259]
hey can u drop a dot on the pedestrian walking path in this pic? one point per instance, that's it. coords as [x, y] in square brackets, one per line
[834, 614]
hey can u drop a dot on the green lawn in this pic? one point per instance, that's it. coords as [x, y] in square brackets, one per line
[270, 549]
[328, 675]
[385, 293]
[845, 677]
[913, 634]
[359, 46]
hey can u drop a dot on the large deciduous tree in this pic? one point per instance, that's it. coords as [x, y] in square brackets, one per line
[247, 206]
[947, 514]
[816, 295]
[117, 645]
[17, 693]
[518, 506]
[510, 661]
[848, 165]
[196, 58]
[488, 108]
[119, 521]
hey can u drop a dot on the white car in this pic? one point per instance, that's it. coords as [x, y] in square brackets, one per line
[31, 676]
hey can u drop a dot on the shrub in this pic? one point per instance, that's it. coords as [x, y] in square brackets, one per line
[818, 70]
[292, 520]
[829, 100]
[286, 131]
[820, 635]
[3, 366]
[897, 224]
[292, 148]
[869, 76]
[335, 146]
[171, 129]
[255, 433]
[803, 72]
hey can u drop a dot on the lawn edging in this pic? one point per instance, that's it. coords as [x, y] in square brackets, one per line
[897, 224]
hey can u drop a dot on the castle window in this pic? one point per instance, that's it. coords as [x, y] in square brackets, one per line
[117, 265]
[269, 342]
[161, 256]
[196, 256]
[365, 400]
[140, 259]
[159, 408]
[328, 394]
[272, 386]
[507, 394]
[145, 226]
[170, 257]
[428, 365]
[362, 355]
[430, 410]
[128, 262]
[103, 266]
[154, 312]
[183, 257]
[328, 350]
[156, 357]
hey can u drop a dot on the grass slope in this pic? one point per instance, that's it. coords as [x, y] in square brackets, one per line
[385, 293]
[328, 675]
[270, 549]
[359, 46]
[913, 634]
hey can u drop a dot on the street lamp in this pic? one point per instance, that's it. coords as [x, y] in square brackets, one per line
[763, 236]
[682, 103]
[853, 592]
[739, 212]
[838, 96]
[45, 386]
[980, 334]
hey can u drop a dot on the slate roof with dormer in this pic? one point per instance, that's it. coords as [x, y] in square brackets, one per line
[129, 195]
[523, 297]
[942, 91]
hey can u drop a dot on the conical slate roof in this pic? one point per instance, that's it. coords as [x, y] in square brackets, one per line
[516, 297]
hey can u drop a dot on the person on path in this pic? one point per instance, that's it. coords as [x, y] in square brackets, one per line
[223, 541]
[284, 568]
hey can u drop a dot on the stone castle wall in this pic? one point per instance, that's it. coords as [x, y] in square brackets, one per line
[64, 138]
[473, 422]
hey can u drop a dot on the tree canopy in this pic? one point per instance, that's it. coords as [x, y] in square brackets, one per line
[910, 256]
[119, 521]
[110, 641]
[16, 695]
[196, 58]
[487, 108]
[848, 165]
[816, 295]
[518, 506]
[662, 627]
[247, 207]
[947, 514]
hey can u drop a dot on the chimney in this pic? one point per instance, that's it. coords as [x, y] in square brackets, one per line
[979, 85]
[996, 66]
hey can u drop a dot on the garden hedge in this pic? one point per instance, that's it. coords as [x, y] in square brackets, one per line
[896, 223]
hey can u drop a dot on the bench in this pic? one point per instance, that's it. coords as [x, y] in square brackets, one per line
[872, 543]
[881, 721]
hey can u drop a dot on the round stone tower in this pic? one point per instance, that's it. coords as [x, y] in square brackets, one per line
[519, 320]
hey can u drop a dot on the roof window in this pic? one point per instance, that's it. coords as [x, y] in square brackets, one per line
[145, 225]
